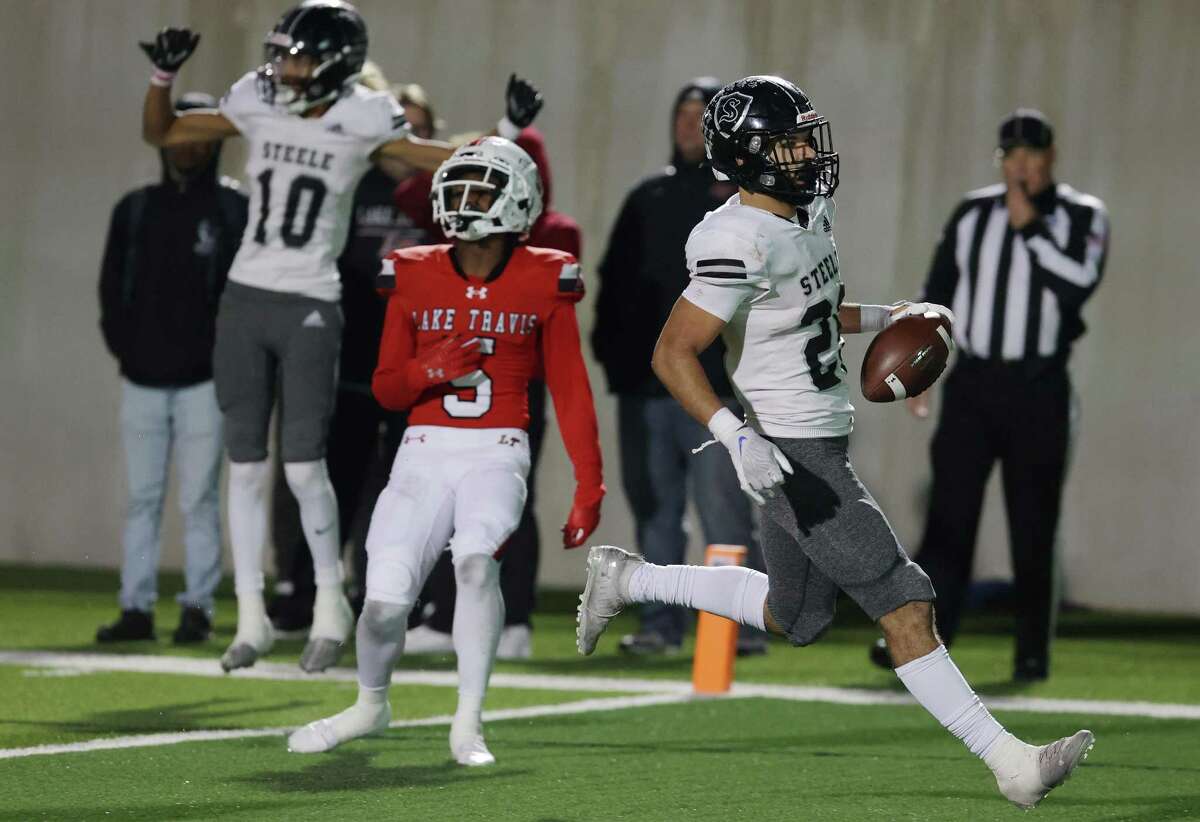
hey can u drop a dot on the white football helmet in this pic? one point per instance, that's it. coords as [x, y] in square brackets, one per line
[496, 166]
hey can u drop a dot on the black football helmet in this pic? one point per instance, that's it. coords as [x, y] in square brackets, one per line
[333, 34]
[747, 127]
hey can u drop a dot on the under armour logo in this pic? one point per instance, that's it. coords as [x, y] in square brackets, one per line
[314, 320]
[435, 373]
[505, 439]
[473, 292]
[414, 438]
[336, 128]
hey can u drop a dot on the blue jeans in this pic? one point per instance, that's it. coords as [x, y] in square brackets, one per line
[155, 421]
[657, 471]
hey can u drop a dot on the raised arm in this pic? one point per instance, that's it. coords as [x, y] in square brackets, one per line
[160, 127]
[522, 102]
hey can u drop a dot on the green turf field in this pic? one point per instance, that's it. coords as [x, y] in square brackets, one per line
[726, 759]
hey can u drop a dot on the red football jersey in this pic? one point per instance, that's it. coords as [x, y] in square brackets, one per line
[524, 316]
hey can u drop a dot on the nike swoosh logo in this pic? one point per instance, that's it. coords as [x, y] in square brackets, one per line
[325, 529]
[740, 441]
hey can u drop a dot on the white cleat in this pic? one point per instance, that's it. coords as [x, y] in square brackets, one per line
[425, 640]
[253, 639]
[333, 620]
[1035, 771]
[467, 746]
[326, 734]
[516, 642]
[609, 569]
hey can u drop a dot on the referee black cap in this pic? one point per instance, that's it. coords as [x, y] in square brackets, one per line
[1025, 127]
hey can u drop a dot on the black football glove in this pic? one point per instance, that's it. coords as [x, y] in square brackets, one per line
[522, 101]
[171, 48]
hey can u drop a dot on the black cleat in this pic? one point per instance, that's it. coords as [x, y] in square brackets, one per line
[132, 626]
[1031, 669]
[291, 613]
[194, 626]
[880, 655]
[648, 643]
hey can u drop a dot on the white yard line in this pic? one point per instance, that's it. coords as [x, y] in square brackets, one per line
[154, 740]
[651, 692]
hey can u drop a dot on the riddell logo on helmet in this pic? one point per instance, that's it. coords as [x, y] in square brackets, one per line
[805, 116]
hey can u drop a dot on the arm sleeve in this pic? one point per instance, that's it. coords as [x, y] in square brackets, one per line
[1073, 272]
[241, 102]
[726, 270]
[567, 379]
[942, 279]
[112, 278]
[392, 384]
[618, 269]
[385, 121]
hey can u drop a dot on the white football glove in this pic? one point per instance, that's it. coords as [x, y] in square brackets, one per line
[759, 463]
[904, 309]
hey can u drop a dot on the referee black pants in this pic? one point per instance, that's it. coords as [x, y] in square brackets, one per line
[1020, 417]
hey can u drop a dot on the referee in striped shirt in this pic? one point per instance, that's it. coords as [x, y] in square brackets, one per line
[1016, 263]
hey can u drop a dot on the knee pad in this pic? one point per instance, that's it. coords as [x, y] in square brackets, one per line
[249, 476]
[801, 627]
[384, 619]
[306, 479]
[476, 571]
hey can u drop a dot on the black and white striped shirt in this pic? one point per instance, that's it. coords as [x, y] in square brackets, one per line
[1017, 294]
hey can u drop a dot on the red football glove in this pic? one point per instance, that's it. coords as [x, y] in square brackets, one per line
[444, 361]
[583, 519]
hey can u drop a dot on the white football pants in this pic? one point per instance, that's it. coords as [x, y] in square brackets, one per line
[458, 487]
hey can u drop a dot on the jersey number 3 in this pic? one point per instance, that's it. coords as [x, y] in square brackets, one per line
[303, 184]
[824, 376]
[456, 406]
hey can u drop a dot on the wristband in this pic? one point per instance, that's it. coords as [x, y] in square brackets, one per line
[507, 129]
[874, 318]
[162, 79]
[723, 423]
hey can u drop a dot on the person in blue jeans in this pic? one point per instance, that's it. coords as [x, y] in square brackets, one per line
[169, 248]
[642, 274]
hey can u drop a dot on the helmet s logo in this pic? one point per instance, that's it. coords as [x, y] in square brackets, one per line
[732, 110]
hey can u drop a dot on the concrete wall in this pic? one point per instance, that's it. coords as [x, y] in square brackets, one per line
[914, 90]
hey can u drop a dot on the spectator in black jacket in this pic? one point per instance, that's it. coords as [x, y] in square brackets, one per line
[641, 276]
[169, 249]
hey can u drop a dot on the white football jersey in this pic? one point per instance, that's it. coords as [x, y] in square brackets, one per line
[776, 284]
[303, 173]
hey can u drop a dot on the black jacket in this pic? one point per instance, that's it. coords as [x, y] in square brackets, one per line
[377, 227]
[168, 252]
[644, 271]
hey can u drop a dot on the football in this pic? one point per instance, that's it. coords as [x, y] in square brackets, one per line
[906, 358]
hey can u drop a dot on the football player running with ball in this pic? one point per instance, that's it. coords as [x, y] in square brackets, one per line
[467, 326]
[765, 275]
[313, 133]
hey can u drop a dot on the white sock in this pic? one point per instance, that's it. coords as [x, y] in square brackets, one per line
[309, 483]
[732, 592]
[247, 507]
[478, 620]
[938, 685]
[252, 620]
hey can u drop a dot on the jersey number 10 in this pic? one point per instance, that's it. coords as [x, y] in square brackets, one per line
[287, 232]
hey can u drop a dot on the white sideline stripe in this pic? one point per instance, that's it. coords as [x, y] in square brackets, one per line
[154, 740]
[560, 682]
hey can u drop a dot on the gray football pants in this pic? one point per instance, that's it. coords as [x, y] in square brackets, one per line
[825, 532]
